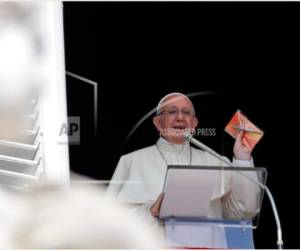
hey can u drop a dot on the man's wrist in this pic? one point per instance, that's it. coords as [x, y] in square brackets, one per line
[243, 157]
[243, 163]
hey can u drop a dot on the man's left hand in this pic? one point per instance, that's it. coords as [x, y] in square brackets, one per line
[241, 152]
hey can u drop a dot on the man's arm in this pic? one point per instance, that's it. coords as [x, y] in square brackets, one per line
[242, 200]
[147, 211]
[119, 177]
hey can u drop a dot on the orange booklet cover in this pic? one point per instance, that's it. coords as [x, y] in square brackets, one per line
[252, 134]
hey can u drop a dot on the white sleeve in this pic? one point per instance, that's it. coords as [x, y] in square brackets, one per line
[142, 212]
[242, 200]
[242, 163]
[120, 175]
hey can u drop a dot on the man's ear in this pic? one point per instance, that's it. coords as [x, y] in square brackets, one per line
[156, 122]
[195, 122]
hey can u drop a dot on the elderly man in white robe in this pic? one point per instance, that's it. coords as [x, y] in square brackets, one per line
[139, 177]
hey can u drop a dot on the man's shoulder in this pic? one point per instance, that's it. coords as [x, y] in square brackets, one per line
[140, 152]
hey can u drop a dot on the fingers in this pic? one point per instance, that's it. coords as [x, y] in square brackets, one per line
[239, 141]
[240, 135]
[247, 145]
[241, 149]
[156, 206]
[242, 142]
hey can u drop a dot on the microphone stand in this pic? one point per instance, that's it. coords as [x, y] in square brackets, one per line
[189, 138]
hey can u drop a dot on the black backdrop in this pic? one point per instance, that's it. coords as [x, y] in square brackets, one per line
[245, 54]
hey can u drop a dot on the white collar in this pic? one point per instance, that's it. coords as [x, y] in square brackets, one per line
[163, 144]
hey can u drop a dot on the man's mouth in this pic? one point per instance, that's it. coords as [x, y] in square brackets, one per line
[179, 130]
[176, 130]
[180, 127]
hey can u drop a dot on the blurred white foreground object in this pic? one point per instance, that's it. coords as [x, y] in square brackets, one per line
[32, 94]
[70, 218]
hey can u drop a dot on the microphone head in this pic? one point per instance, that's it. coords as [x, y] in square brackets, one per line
[187, 135]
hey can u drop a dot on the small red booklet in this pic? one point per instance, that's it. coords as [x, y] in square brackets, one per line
[239, 122]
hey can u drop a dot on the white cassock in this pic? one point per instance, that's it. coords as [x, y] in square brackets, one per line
[139, 178]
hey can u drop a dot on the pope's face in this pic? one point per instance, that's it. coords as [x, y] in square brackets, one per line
[176, 116]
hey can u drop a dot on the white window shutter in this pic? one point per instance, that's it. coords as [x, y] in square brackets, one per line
[40, 152]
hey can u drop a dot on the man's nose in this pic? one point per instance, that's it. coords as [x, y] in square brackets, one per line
[179, 115]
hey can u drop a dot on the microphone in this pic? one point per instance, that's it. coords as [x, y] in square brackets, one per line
[189, 137]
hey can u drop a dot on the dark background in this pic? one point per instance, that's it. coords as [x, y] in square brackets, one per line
[245, 54]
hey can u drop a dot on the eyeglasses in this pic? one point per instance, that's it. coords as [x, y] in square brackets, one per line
[175, 111]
